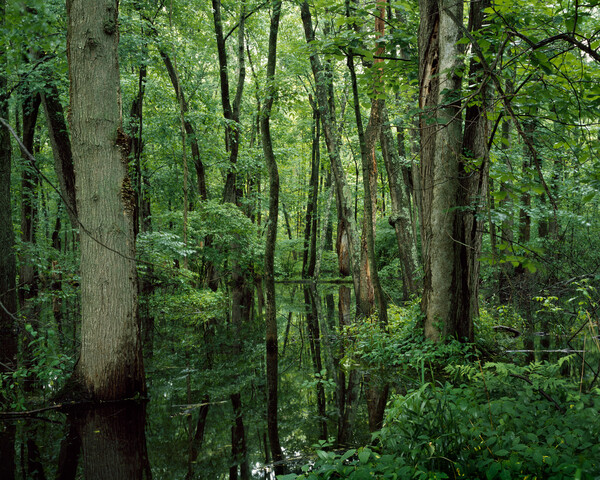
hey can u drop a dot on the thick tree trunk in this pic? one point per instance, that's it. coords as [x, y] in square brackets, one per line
[441, 149]
[473, 177]
[110, 364]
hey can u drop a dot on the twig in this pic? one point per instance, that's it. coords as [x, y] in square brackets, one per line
[541, 391]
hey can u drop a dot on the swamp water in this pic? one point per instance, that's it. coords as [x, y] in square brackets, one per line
[206, 416]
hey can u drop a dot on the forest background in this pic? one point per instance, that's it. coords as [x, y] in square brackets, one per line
[366, 236]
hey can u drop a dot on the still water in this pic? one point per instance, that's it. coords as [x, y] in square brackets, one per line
[206, 414]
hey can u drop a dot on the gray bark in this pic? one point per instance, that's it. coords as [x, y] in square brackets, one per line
[110, 363]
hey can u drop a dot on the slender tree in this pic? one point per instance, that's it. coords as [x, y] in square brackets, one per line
[8, 295]
[271, 305]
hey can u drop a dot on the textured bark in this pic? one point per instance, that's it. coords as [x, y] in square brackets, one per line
[441, 148]
[110, 363]
[473, 177]
[271, 305]
[454, 172]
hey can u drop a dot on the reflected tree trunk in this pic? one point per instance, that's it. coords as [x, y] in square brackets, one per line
[70, 450]
[113, 442]
[314, 339]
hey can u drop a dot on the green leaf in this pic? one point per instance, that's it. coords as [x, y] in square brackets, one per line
[347, 455]
[493, 471]
[364, 455]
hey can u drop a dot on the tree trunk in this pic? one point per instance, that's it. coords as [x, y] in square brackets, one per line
[61, 149]
[400, 218]
[231, 111]
[447, 299]
[310, 227]
[347, 235]
[8, 272]
[142, 221]
[110, 364]
[188, 128]
[28, 272]
[473, 177]
[271, 307]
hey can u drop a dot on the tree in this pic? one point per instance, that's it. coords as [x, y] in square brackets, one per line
[454, 172]
[271, 306]
[8, 296]
[110, 364]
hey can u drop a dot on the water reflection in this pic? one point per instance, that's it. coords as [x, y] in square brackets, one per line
[185, 431]
[113, 442]
[99, 443]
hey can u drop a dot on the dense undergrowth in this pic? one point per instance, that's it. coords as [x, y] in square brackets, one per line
[466, 411]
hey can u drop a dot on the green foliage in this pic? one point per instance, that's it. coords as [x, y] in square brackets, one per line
[488, 423]
[47, 368]
[399, 352]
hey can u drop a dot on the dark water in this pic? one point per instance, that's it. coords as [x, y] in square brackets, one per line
[190, 427]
